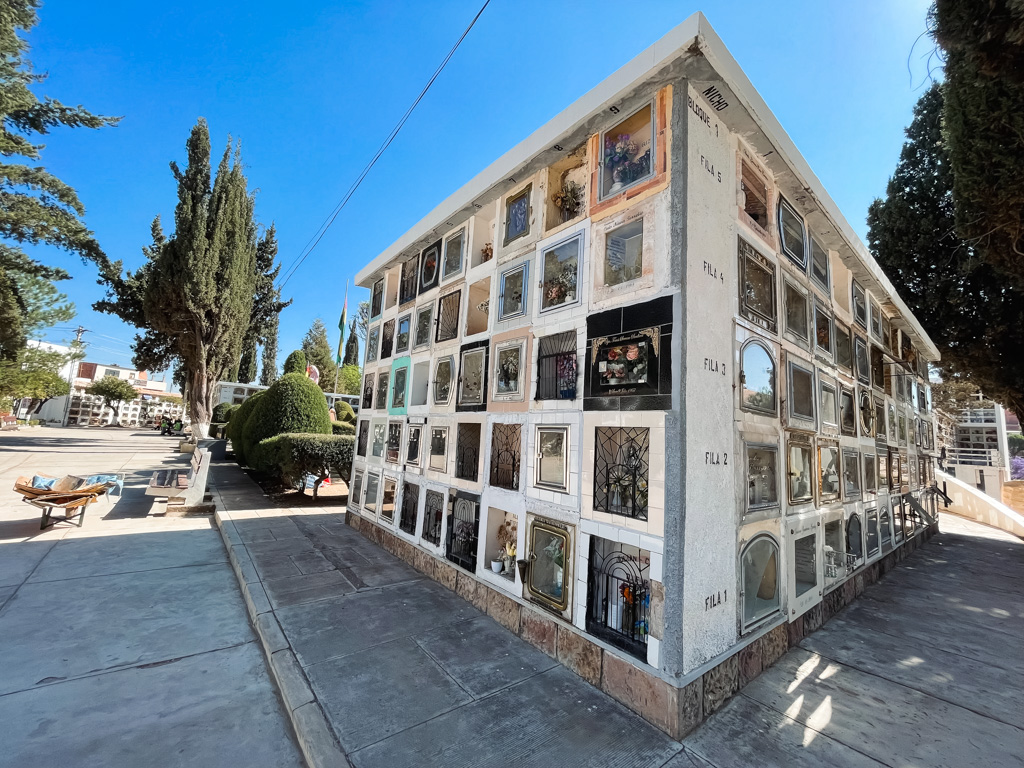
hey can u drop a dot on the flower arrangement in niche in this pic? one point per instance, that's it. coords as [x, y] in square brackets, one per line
[508, 536]
[621, 161]
[555, 550]
[487, 252]
[569, 200]
[560, 285]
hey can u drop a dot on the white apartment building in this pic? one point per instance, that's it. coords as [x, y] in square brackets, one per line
[646, 347]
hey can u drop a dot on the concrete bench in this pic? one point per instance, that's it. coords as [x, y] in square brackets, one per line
[186, 487]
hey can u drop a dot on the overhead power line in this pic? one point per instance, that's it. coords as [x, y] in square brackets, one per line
[315, 240]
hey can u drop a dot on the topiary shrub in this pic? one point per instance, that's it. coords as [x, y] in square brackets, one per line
[220, 413]
[236, 426]
[296, 362]
[292, 404]
[294, 456]
[342, 428]
[344, 412]
[231, 412]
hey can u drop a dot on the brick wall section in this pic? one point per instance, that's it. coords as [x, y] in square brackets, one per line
[676, 711]
[1013, 495]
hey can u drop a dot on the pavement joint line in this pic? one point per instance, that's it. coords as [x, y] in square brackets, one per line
[124, 668]
[317, 740]
[126, 573]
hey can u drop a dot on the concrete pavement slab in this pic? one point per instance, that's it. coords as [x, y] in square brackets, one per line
[382, 690]
[745, 734]
[19, 558]
[483, 656]
[101, 554]
[338, 627]
[552, 719]
[57, 630]
[213, 709]
[305, 588]
[890, 722]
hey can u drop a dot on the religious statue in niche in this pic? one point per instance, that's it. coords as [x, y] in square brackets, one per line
[517, 215]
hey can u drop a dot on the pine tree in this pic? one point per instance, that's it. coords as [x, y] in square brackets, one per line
[318, 352]
[194, 294]
[35, 207]
[970, 309]
[352, 345]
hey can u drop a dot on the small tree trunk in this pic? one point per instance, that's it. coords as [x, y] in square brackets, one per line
[200, 403]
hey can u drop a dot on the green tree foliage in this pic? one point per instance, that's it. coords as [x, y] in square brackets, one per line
[194, 295]
[1015, 443]
[268, 366]
[956, 394]
[294, 456]
[343, 411]
[35, 207]
[983, 42]
[114, 392]
[266, 306]
[318, 352]
[295, 362]
[350, 380]
[220, 413]
[236, 426]
[967, 306]
[35, 374]
[292, 404]
[362, 319]
[230, 412]
[352, 345]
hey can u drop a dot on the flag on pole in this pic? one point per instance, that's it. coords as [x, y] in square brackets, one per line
[341, 324]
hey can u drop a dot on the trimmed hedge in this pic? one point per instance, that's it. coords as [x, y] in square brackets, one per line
[236, 427]
[294, 456]
[231, 412]
[293, 404]
[220, 413]
[295, 362]
[344, 412]
[342, 428]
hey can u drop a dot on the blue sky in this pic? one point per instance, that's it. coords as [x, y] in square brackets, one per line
[312, 88]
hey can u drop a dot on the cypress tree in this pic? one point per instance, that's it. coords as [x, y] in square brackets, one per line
[351, 346]
[268, 370]
[266, 304]
[968, 307]
[318, 352]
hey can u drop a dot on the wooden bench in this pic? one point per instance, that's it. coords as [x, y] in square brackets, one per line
[186, 487]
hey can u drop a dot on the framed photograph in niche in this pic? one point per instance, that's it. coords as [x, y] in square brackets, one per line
[398, 390]
[412, 448]
[424, 317]
[623, 253]
[508, 370]
[757, 287]
[560, 274]
[627, 152]
[402, 335]
[513, 292]
[372, 342]
[379, 438]
[762, 476]
[377, 298]
[444, 377]
[552, 469]
[625, 364]
[517, 215]
[454, 252]
[438, 449]
[472, 381]
[430, 266]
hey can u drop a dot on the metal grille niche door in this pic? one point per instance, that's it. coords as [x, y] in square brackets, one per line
[618, 597]
[448, 316]
[463, 531]
[621, 469]
[433, 516]
[506, 447]
[467, 452]
[557, 371]
[387, 340]
[410, 504]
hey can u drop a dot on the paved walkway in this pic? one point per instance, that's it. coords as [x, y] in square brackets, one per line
[124, 642]
[924, 670]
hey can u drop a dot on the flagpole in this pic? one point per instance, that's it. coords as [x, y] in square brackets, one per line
[341, 338]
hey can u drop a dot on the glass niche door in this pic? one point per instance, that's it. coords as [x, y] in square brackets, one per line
[805, 566]
[550, 571]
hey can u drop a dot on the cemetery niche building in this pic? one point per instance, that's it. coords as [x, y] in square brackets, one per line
[639, 391]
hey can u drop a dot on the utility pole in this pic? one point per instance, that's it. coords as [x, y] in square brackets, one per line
[71, 373]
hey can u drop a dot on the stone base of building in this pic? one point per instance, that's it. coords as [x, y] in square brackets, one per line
[674, 710]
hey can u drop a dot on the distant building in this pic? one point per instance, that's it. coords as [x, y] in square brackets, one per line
[236, 393]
